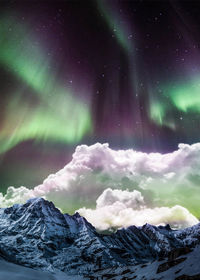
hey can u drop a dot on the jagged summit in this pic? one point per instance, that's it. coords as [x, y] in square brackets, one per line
[36, 234]
[36, 200]
[40, 203]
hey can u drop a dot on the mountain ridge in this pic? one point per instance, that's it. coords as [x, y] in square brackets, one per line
[37, 235]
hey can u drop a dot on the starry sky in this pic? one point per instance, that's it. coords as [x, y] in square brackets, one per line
[81, 72]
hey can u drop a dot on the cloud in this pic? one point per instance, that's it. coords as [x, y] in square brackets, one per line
[109, 197]
[159, 180]
[117, 209]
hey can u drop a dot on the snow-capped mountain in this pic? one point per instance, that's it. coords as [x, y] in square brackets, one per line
[37, 235]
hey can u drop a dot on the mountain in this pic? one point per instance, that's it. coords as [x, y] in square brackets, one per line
[181, 264]
[38, 236]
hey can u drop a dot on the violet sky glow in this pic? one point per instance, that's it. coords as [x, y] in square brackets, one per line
[125, 73]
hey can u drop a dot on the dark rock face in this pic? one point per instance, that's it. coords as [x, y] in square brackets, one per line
[187, 277]
[39, 236]
[175, 253]
[165, 266]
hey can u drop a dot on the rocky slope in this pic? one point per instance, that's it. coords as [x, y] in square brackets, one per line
[182, 264]
[37, 235]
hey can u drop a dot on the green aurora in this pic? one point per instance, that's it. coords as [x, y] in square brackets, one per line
[58, 114]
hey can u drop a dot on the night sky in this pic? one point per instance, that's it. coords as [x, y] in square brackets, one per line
[125, 73]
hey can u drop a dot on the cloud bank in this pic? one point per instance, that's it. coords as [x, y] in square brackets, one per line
[156, 181]
[116, 209]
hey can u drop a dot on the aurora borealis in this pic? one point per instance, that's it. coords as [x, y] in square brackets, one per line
[76, 72]
[61, 117]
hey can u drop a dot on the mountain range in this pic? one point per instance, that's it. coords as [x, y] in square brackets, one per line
[37, 237]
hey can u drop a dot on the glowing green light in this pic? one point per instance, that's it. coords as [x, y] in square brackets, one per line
[186, 96]
[116, 26]
[59, 115]
[157, 112]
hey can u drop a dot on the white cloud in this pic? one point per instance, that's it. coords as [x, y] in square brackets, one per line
[109, 197]
[160, 179]
[117, 209]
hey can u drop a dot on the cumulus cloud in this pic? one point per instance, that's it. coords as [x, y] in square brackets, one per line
[117, 209]
[161, 180]
[132, 199]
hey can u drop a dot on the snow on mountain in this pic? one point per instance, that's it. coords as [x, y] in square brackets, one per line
[11, 271]
[37, 235]
[182, 264]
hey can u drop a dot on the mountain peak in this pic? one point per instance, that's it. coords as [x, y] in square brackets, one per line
[36, 200]
[42, 205]
[40, 201]
[38, 235]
